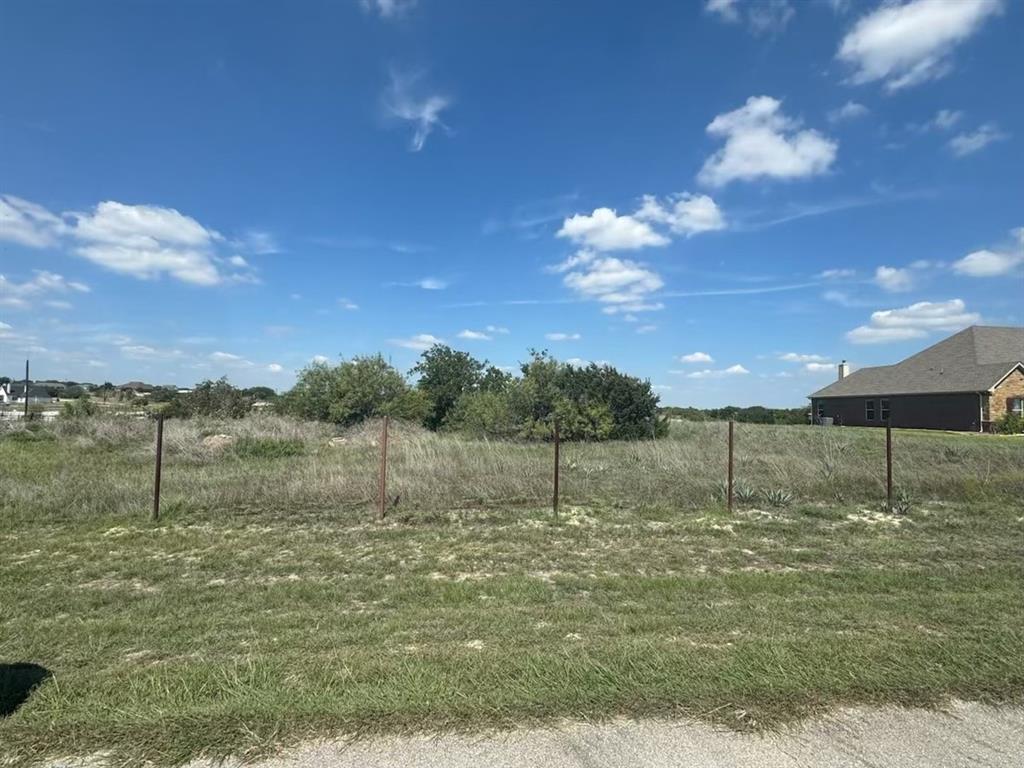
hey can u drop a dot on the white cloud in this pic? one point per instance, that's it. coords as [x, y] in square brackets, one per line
[275, 368]
[405, 100]
[616, 281]
[143, 352]
[836, 274]
[707, 373]
[894, 279]
[913, 322]
[725, 9]
[646, 329]
[851, 110]
[144, 241]
[21, 295]
[909, 43]
[562, 336]
[388, 9]
[259, 243]
[27, 223]
[796, 357]
[351, 306]
[605, 230]
[696, 357]
[760, 141]
[320, 359]
[818, 367]
[432, 284]
[230, 359]
[762, 17]
[497, 329]
[419, 342]
[684, 213]
[473, 335]
[968, 143]
[944, 119]
[769, 17]
[988, 263]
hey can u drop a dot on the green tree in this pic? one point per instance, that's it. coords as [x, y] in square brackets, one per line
[351, 391]
[209, 398]
[445, 375]
[485, 413]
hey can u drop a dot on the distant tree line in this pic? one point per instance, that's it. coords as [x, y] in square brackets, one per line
[755, 414]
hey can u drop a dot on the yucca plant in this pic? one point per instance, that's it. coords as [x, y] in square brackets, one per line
[778, 497]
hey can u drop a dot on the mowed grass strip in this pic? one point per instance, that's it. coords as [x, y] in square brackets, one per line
[267, 607]
[217, 634]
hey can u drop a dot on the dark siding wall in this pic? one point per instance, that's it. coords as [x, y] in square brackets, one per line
[956, 411]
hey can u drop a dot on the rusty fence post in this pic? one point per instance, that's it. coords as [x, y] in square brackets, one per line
[382, 492]
[159, 462]
[888, 466]
[729, 492]
[554, 498]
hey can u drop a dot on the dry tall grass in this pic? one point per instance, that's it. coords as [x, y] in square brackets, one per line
[104, 466]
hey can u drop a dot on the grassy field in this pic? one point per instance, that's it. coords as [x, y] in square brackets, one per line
[267, 606]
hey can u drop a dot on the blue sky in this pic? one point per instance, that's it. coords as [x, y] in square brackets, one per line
[724, 197]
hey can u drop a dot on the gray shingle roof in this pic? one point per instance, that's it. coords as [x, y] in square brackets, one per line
[973, 360]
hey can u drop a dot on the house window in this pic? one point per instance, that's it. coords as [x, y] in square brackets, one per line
[821, 410]
[869, 410]
[1017, 405]
[883, 406]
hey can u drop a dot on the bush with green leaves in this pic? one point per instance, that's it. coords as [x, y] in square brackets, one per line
[352, 391]
[78, 408]
[218, 399]
[1010, 424]
[268, 447]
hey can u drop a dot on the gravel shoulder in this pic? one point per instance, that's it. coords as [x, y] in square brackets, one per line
[965, 734]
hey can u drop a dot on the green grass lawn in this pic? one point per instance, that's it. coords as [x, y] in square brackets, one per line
[260, 611]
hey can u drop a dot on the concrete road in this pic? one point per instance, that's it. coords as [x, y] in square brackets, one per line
[965, 735]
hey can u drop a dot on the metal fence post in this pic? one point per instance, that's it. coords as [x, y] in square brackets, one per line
[730, 482]
[383, 489]
[888, 467]
[554, 498]
[26, 390]
[159, 461]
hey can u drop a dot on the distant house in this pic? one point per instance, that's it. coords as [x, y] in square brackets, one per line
[14, 392]
[966, 382]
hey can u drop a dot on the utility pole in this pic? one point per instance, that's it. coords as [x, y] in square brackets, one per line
[26, 390]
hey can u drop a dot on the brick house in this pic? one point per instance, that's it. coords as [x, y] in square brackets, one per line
[966, 382]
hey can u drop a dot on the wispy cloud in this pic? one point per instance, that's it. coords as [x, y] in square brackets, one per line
[968, 143]
[419, 342]
[426, 283]
[388, 9]
[470, 335]
[558, 336]
[406, 99]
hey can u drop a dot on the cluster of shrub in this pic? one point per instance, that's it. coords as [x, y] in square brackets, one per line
[754, 414]
[453, 391]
